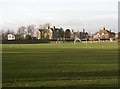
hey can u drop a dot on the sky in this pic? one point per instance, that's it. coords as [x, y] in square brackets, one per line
[91, 15]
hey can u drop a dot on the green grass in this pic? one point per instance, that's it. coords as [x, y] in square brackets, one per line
[60, 65]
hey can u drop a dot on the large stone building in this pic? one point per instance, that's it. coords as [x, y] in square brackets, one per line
[45, 33]
[84, 35]
[58, 33]
[49, 33]
[38, 35]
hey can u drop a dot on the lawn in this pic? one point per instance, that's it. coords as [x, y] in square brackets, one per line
[60, 65]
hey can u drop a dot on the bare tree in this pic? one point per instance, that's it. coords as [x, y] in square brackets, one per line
[47, 25]
[44, 26]
[20, 33]
[21, 30]
[5, 33]
[30, 30]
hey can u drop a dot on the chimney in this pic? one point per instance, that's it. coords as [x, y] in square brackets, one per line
[84, 30]
[104, 28]
[48, 27]
[110, 30]
[53, 27]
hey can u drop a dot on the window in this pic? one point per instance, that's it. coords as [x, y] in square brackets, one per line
[9, 36]
[103, 34]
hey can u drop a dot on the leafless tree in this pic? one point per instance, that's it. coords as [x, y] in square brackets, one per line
[44, 26]
[20, 33]
[30, 30]
[47, 25]
[44, 29]
[21, 30]
[5, 33]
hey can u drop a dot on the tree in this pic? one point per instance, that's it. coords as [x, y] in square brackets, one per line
[44, 29]
[30, 30]
[5, 34]
[21, 30]
[47, 25]
[20, 33]
[18, 37]
[44, 26]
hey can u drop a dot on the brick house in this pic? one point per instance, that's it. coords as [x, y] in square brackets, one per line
[103, 34]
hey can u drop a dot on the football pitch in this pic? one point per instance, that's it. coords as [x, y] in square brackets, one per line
[60, 65]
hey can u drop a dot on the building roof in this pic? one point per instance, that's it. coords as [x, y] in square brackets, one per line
[105, 31]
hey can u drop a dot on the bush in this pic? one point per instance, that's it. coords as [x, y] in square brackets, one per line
[18, 37]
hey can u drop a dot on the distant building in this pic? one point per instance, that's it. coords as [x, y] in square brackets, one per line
[50, 33]
[42, 33]
[45, 33]
[81, 35]
[58, 33]
[84, 35]
[75, 34]
[117, 36]
[67, 33]
[38, 35]
[11, 37]
[104, 34]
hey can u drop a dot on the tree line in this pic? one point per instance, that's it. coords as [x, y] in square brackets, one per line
[29, 32]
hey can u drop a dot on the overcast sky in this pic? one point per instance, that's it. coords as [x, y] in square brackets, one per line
[75, 14]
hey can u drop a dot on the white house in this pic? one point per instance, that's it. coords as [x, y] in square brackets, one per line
[11, 37]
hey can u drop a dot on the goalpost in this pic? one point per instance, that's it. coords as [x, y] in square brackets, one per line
[76, 39]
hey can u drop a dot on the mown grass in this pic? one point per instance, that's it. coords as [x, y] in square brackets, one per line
[60, 65]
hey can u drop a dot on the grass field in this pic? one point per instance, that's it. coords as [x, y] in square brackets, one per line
[60, 65]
